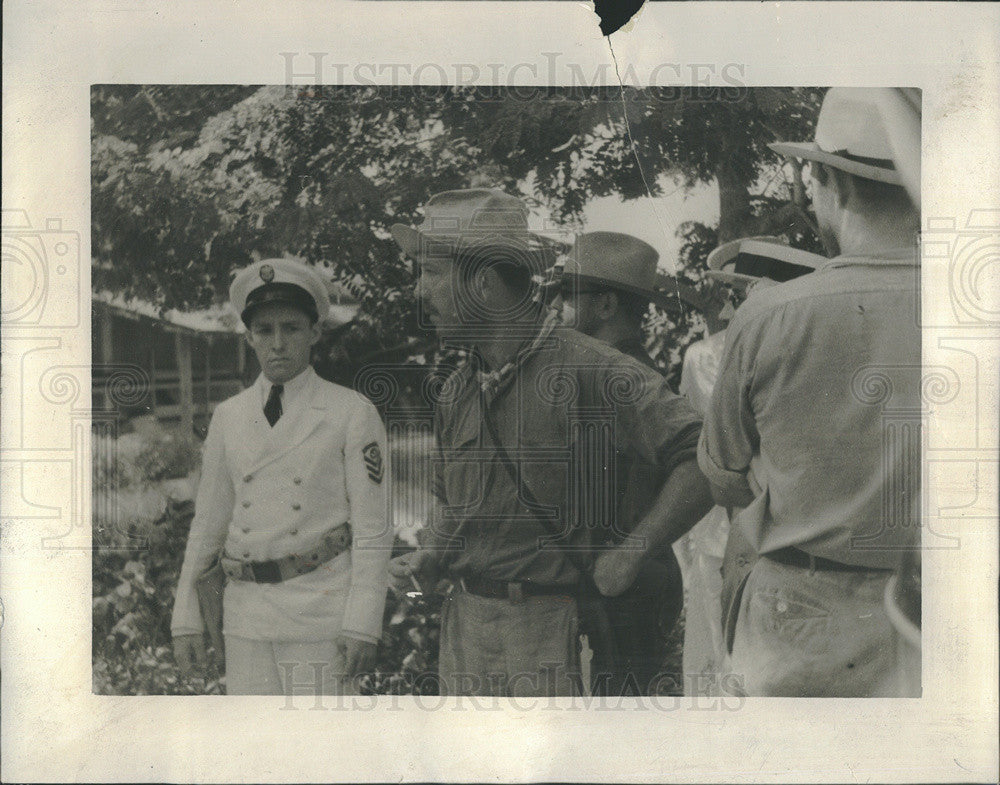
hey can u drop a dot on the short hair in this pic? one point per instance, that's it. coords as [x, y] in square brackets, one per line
[872, 195]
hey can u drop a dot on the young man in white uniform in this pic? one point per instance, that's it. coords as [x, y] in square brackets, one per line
[292, 497]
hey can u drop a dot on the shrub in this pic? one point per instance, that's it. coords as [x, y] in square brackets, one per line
[141, 529]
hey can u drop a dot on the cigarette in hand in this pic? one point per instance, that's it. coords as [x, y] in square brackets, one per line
[419, 592]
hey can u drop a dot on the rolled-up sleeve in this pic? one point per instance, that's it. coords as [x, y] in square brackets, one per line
[729, 438]
[653, 424]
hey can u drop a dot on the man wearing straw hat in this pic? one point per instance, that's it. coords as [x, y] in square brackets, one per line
[520, 517]
[291, 506]
[801, 433]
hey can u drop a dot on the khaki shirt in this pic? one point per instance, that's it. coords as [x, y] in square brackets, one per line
[819, 394]
[570, 404]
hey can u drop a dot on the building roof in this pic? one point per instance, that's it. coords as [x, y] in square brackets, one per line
[216, 319]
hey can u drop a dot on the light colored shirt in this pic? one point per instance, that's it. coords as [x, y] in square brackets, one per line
[698, 374]
[291, 394]
[700, 370]
[816, 412]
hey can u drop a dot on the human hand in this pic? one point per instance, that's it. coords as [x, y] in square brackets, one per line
[419, 564]
[616, 569]
[358, 655]
[189, 652]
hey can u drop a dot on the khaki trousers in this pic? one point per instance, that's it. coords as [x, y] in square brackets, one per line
[501, 648]
[255, 667]
[803, 633]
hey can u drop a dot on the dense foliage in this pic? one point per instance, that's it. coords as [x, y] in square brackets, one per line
[139, 540]
[191, 181]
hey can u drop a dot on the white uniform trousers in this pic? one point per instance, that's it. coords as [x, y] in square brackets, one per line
[256, 667]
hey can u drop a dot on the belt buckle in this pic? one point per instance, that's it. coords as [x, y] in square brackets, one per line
[515, 592]
[265, 572]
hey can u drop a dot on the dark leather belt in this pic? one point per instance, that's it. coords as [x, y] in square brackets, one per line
[334, 543]
[515, 591]
[793, 557]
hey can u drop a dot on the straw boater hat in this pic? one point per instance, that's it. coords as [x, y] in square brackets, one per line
[853, 135]
[618, 261]
[284, 281]
[750, 259]
[458, 222]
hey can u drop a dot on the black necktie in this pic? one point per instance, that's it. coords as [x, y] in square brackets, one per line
[272, 409]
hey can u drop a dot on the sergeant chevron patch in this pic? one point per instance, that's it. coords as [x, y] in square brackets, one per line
[373, 462]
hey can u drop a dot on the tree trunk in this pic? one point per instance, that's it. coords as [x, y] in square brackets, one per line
[734, 203]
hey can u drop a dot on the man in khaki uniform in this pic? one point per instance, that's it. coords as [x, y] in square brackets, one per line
[292, 496]
[517, 426]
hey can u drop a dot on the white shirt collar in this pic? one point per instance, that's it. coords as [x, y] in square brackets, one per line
[293, 388]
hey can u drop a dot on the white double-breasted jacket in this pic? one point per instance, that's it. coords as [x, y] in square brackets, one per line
[267, 492]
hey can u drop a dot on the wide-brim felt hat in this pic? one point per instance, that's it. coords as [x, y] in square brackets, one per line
[279, 281]
[471, 220]
[857, 133]
[751, 259]
[617, 261]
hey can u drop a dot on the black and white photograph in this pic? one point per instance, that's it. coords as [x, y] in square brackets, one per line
[382, 403]
[519, 458]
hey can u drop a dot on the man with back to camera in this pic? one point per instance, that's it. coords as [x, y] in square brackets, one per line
[292, 497]
[798, 436]
[511, 421]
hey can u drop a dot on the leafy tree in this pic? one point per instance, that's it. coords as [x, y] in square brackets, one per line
[190, 181]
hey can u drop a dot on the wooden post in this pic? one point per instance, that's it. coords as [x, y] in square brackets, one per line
[107, 351]
[182, 343]
[152, 372]
[208, 376]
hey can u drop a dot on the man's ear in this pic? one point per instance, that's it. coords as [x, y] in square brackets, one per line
[608, 304]
[317, 332]
[484, 282]
[844, 184]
